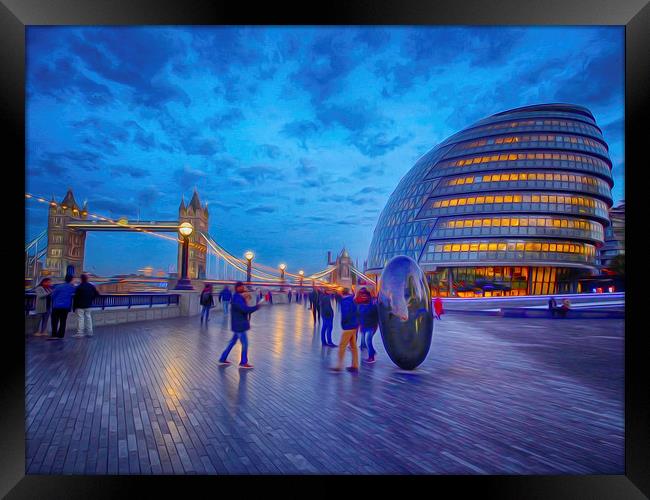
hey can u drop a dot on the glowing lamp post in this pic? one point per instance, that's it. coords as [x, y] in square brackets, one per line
[184, 283]
[249, 264]
[301, 273]
[282, 268]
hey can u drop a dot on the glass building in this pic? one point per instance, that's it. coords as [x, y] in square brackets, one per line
[516, 204]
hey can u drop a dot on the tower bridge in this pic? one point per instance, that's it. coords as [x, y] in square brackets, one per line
[200, 257]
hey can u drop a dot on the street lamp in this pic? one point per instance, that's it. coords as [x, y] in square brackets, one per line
[301, 273]
[282, 268]
[184, 283]
[249, 264]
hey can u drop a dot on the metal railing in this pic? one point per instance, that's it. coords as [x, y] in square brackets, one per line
[118, 300]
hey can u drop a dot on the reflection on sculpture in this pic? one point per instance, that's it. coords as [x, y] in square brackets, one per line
[405, 315]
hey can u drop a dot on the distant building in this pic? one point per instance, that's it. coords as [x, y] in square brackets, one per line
[614, 236]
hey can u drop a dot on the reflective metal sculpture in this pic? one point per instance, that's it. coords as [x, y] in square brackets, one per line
[405, 315]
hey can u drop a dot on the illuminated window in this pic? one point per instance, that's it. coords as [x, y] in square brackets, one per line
[464, 247]
[489, 199]
[535, 198]
[492, 247]
[453, 203]
[455, 247]
[498, 199]
[447, 248]
[483, 247]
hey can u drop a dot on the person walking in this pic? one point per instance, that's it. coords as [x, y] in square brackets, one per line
[62, 297]
[207, 302]
[239, 323]
[552, 306]
[289, 296]
[84, 295]
[349, 324]
[368, 321]
[437, 307]
[224, 297]
[43, 305]
[313, 297]
[328, 319]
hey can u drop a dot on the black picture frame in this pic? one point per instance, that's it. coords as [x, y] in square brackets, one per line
[15, 15]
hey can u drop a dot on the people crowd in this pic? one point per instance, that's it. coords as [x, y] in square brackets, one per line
[55, 302]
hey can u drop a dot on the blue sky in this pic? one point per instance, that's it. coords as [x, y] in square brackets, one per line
[295, 137]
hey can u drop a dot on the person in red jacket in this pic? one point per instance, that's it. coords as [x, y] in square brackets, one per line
[437, 307]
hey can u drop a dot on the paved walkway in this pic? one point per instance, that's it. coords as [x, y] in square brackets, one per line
[495, 396]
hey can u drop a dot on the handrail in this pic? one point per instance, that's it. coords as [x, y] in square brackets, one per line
[118, 300]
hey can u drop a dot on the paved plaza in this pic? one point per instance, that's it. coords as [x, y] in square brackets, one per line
[495, 396]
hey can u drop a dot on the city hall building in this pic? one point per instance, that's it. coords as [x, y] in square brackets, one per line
[516, 204]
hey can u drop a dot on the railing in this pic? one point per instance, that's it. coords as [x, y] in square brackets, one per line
[104, 301]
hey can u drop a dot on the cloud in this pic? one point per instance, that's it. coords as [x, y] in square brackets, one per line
[257, 174]
[268, 151]
[374, 38]
[227, 118]
[261, 209]
[371, 189]
[598, 79]
[301, 130]
[148, 196]
[63, 79]
[378, 144]
[355, 116]
[202, 146]
[325, 66]
[132, 57]
[306, 168]
[187, 176]
[131, 171]
[115, 207]
[430, 51]
[56, 163]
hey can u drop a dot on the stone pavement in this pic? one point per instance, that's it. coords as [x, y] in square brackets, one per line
[495, 396]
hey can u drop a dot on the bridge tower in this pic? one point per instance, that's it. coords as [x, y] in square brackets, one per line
[197, 215]
[65, 246]
[342, 274]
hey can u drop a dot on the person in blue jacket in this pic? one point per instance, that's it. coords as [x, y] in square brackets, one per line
[224, 297]
[368, 321]
[239, 324]
[327, 313]
[62, 298]
[349, 325]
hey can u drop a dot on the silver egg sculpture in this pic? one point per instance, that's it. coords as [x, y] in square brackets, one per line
[405, 315]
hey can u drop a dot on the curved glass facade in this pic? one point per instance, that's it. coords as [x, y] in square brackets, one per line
[523, 195]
